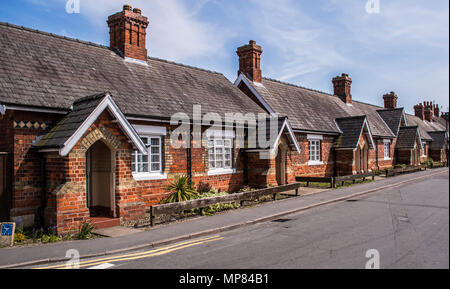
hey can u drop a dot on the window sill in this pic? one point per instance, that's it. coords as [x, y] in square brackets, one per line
[315, 163]
[149, 176]
[387, 159]
[221, 172]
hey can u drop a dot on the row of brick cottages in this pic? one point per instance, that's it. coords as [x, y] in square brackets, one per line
[70, 154]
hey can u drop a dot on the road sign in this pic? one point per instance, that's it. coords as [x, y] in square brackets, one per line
[7, 234]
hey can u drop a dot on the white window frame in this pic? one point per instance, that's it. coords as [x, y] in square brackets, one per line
[387, 153]
[215, 139]
[315, 155]
[150, 174]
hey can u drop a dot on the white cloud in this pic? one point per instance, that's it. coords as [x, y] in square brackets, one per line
[174, 32]
[303, 44]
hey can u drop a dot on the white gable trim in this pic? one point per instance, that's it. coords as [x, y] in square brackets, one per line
[291, 135]
[420, 138]
[242, 78]
[106, 103]
[366, 124]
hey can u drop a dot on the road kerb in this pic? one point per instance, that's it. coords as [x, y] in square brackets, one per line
[220, 229]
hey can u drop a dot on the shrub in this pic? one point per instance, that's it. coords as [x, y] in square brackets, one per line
[180, 191]
[211, 210]
[19, 238]
[85, 231]
[50, 239]
[203, 188]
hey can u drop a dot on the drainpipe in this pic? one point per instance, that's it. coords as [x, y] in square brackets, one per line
[376, 154]
[189, 157]
[41, 209]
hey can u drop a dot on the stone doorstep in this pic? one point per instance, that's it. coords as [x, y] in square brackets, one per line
[103, 223]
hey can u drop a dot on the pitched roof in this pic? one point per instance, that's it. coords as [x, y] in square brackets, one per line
[71, 128]
[351, 128]
[425, 126]
[407, 136]
[393, 118]
[376, 123]
[312, 110]
[44, 70]
[274, 129]
[438, 139]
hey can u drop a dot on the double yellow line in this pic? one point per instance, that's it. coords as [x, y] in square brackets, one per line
[140, 255]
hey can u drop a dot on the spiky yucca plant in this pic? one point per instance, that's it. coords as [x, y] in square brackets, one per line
[180, 191]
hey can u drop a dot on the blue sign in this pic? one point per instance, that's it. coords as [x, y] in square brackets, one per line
[7, 229]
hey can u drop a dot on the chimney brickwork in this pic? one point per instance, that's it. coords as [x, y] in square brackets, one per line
[128, 32]
[342, 87]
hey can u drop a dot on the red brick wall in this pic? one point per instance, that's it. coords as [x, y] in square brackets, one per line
[26, 179]
[300, 161]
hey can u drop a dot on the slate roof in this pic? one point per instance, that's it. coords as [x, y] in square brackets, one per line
[424, 126]
[393, 118]
[312, 110]
[45, 70]
[407, 136]
[67, 126]
[377, 125]
[351, 128]
[438, 140]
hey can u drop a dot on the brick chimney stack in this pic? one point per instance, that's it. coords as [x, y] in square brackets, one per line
[250, 61]
[342, 87]
[428, 111]
[419, 111]
[436, 110]
[390, 100]
[127, 30]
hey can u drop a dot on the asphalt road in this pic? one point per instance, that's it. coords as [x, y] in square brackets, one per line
[407, 225]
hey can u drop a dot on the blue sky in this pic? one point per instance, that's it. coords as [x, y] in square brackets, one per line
[404, 48]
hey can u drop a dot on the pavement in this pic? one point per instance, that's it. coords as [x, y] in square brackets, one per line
[203, 226]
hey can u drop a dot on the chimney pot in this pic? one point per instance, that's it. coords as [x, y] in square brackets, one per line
[127, 7]
[137, 11]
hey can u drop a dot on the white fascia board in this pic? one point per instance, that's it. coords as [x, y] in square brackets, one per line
[150, 130]
[365, 124]
[220, 133]
[405, 118]
[420, 138]
[107, 102]
[314, 137]
[240, 79]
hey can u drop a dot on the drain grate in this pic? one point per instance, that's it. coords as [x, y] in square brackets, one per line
[281, 220]
[352, 201]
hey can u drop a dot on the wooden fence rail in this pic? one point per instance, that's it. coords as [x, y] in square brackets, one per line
[316, 180]
[394, 172]
[333, 181]
[174, 208]
[353, 178]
